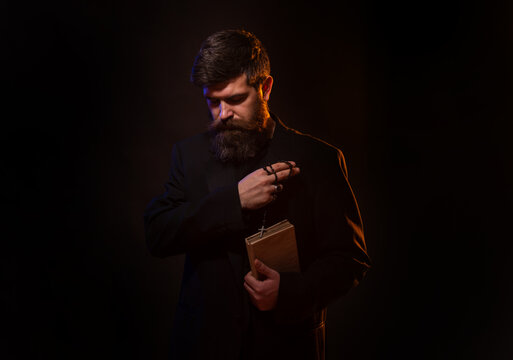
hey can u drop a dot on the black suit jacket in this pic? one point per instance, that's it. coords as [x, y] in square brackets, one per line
[200, 215]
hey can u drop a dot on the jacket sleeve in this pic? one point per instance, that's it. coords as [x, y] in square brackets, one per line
[174, 224]
[341, 260]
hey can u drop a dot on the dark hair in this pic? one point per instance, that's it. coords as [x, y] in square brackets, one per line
[227, 54]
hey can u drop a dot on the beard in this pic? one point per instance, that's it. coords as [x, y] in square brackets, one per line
[236, 141]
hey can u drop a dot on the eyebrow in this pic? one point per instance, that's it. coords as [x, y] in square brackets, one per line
[231, 97]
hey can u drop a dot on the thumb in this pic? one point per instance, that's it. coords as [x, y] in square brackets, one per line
[264, 269]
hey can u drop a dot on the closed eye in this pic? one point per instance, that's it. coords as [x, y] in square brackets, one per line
[236, 99]
[232, 100]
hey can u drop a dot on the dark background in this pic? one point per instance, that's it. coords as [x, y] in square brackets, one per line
[418, 95]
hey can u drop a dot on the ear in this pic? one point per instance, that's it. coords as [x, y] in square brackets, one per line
[267, 86]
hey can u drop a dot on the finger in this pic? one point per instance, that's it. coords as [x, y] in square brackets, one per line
[252, 282]
[283, 170]
[249, 278]
[280, 176]
[273, 168]
[275, 174]
[291, 167]
[279, 170]
[268, 169]
[264, 269]
[287, 173]
[281, 166]
[252, 294]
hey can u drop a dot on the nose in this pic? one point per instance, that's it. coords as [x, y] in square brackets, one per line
[225, 112]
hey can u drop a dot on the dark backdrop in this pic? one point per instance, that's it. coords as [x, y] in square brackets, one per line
[418, 95]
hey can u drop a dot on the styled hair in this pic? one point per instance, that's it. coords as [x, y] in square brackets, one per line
[227, 54]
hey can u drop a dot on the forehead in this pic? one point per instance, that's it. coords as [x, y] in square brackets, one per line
[228, 88]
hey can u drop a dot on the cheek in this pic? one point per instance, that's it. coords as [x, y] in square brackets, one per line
[245, 112]
[214, 112]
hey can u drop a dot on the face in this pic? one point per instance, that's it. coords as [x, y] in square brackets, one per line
[241, 123]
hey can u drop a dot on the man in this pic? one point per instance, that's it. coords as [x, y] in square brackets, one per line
[246, 170]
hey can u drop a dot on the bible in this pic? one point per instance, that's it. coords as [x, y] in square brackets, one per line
[276, 247]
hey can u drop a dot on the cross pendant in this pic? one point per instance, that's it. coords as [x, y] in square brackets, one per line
[262, 229]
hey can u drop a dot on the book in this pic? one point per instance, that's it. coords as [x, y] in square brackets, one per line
[276, 247]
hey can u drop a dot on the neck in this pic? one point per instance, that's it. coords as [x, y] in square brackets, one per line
[269, 126]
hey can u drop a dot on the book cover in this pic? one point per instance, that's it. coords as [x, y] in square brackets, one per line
[276, 247]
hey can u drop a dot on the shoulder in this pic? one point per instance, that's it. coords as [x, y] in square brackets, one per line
[311, 149]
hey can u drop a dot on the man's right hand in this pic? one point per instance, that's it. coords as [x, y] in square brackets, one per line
[259, 188]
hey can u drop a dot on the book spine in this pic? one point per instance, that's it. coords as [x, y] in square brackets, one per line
[251, 257]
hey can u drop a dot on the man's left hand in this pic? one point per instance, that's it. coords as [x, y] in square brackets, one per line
[263, 294]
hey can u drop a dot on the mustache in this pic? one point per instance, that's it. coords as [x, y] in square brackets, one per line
[229, 124]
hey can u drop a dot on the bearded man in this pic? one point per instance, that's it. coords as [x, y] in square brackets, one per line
[224, 183]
